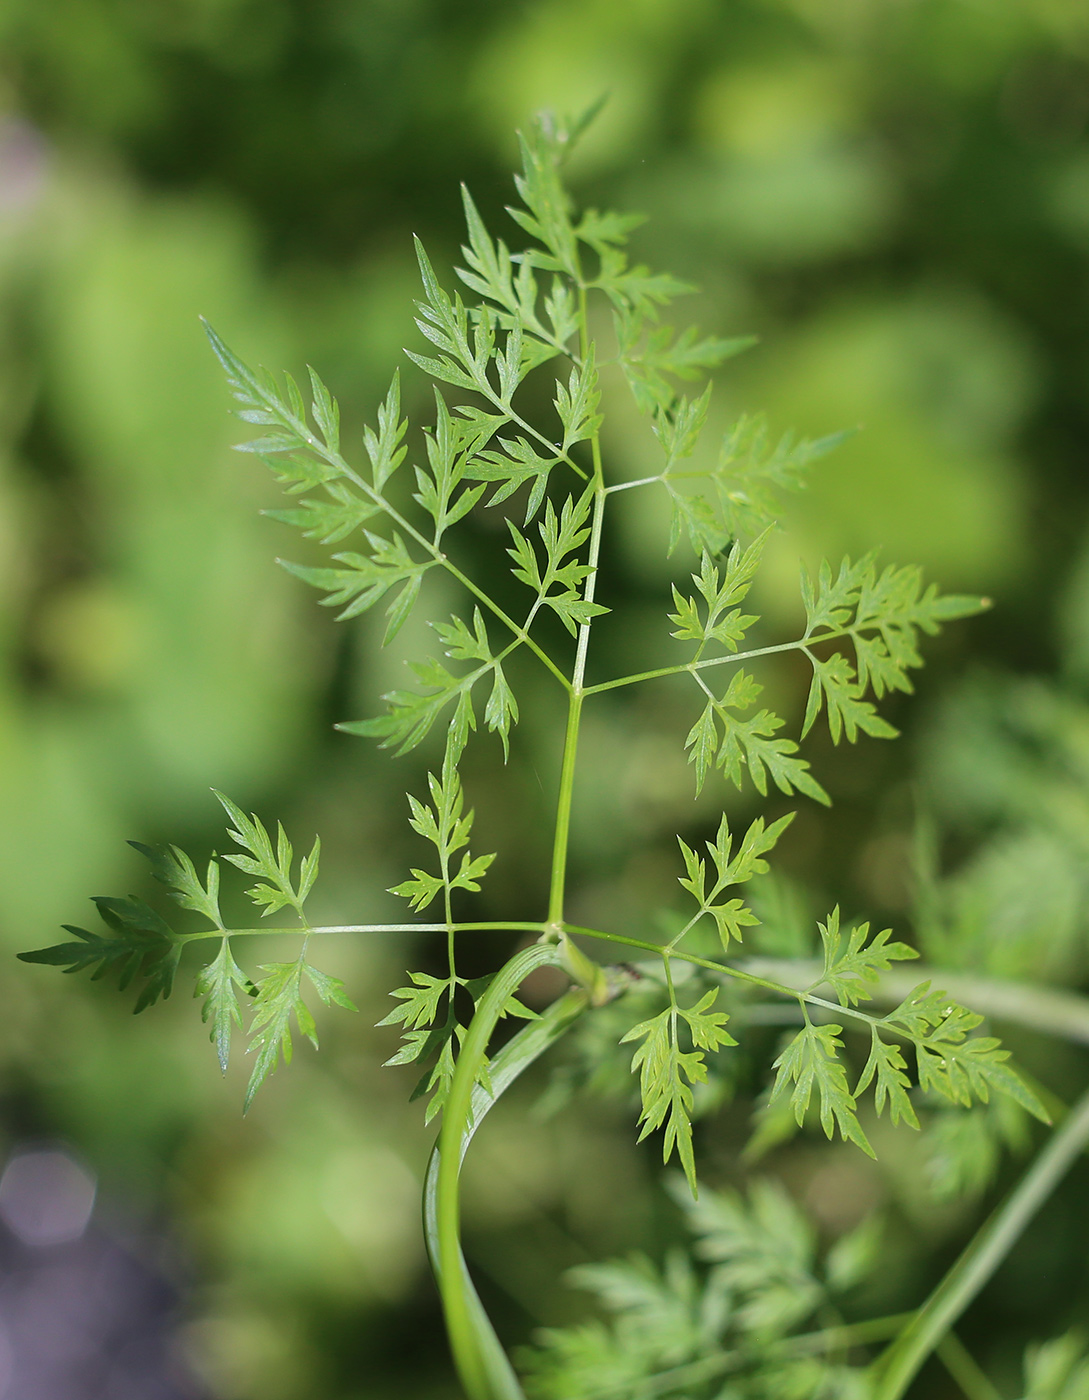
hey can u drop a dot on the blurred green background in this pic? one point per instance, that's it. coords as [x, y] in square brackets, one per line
[893, 196]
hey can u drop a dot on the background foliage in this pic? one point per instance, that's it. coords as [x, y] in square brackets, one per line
[895, 198]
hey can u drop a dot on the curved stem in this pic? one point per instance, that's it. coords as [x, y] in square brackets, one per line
[457, 1305]
[894, 1371]
[517, 1055]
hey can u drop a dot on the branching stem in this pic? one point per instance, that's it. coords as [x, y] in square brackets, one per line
[342, 466]
[691, 667]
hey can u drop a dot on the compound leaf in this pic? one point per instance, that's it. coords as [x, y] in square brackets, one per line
[667, 1072]
[216, 982]
[886, 1068]
[173, 868]
[138, 945]
[851, 965]
[278, 1001]
[811, 1062]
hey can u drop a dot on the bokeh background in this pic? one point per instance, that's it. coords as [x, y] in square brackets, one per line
[892, 194]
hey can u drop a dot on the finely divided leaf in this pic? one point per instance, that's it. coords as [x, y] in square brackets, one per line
[216, 983]
[811, 1062]
[419, 1003]
[748, 743]
[882, 615]
[514, 463]
[563, 537]
[275, 888]
[740, 495]
[173, 868]
[410, 714]
[763, 1251]
[547, 213]
[851, 965]
[834, 683]
[577, 403]
[886, 1068]
[719, 620]
[364, 579]
[278, 1000]
[510, 283]
[666, 1072]
[953, 1063]
[138, 945]
[730, 915]
[651, 355]
[447, 826]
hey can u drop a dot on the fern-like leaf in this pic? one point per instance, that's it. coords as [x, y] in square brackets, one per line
[216, 983]
[811, 1061]
[854, 962]
[139, 945]
[279, 1000]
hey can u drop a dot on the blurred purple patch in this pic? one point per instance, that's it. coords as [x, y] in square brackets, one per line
[46, 1198]
[81, 1316]
[24, 158]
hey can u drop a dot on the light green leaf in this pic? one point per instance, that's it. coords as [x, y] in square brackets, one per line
[419, 1003]
[577, 403]
[666, 1072]
[275, 887]
[216, 983]
[278, 1001]
[886, 1068]
[834, 683]
[811, 1062]
[364, 579]
[852, 965]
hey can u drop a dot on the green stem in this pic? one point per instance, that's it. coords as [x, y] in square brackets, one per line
[336, 460]
[593, 559]
[517, 1055]
[894, 1371]
[520, 632]
[690, 667]
[722, 969]
[631, 485]
[450, 950]
[574, 715]
[723, 1362]
[1044, 1009]
[494, 926]
[965, 1369]
[456, 1123]
[563, 809]
[574, 711]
